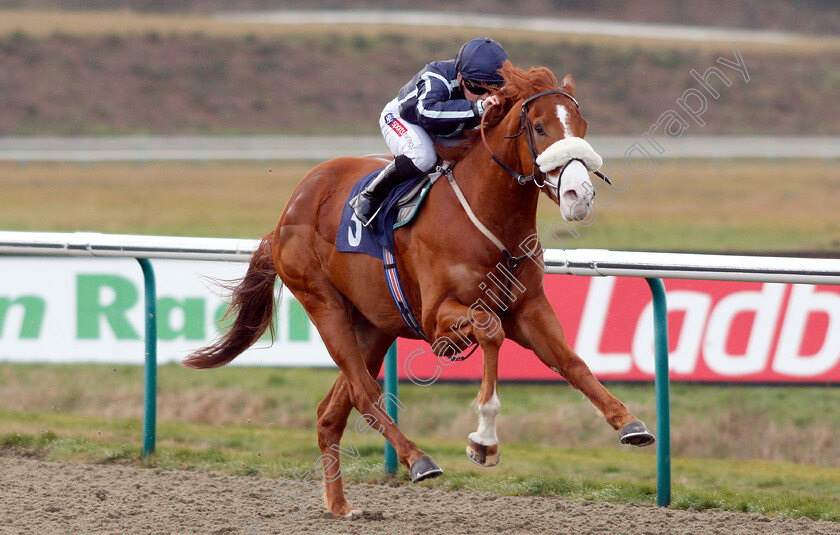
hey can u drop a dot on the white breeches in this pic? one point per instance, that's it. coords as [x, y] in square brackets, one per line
[406, 138]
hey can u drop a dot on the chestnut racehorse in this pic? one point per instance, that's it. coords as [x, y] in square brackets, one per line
[479, 224]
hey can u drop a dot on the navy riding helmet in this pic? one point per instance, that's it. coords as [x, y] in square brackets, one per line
[480, 60]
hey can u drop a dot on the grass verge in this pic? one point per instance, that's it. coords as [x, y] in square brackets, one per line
[707, 205]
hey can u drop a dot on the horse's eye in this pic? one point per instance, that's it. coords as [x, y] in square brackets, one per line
[539, 128]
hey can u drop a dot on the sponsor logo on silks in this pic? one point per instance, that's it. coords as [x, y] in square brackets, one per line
[395, 125]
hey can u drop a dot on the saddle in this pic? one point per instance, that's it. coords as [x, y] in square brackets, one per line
[400, 207]
[409, 203]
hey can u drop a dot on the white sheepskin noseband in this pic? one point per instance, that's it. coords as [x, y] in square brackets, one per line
[559, 153]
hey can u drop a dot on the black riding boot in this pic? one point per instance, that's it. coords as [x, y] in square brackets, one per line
[366, 204]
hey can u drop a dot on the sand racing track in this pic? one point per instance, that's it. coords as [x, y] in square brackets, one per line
[71, 498]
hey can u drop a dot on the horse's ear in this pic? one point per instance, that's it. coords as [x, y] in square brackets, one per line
[568, 84]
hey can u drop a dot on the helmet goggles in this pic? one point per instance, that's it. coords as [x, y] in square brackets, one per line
[481, 88]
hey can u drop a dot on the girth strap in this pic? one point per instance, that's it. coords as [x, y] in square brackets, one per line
[392, 278]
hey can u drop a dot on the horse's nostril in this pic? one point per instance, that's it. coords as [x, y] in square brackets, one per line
[570, 196]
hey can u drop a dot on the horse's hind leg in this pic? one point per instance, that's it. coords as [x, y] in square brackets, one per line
[334, 318]
[332, 420]
[537, 328]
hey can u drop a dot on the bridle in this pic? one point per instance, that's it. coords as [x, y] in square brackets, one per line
[538, 177]
[525, 127]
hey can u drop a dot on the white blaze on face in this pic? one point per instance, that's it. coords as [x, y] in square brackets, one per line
[576, 190]
[563, 115]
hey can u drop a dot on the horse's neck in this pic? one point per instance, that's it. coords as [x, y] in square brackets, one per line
[507, 208]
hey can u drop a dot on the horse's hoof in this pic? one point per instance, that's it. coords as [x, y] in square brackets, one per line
[424, 468]
[351, 514]
[636, 434]
[482, 455]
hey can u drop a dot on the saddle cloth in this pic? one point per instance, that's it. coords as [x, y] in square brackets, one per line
[398, 209]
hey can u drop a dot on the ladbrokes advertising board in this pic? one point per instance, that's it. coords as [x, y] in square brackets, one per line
[718, 331]
[91, 310]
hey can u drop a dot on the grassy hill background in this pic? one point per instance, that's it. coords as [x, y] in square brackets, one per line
[132, 72]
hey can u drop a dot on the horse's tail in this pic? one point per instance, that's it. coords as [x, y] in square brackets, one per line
[252, 305]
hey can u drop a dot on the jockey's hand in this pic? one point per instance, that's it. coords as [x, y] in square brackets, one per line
[491, 101]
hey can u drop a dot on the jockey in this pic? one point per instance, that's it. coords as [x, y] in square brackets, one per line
[441, 100]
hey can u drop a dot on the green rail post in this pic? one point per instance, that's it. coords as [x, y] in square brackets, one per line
[391, 395]
[661, 387]
[150, 390]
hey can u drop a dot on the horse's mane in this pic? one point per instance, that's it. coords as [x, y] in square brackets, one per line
[519, 84]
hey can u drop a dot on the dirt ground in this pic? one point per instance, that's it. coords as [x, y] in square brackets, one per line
[57, 498]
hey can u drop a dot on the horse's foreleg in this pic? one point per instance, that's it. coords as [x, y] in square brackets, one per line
[537, 328]
[458, 322]
[483, 445]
